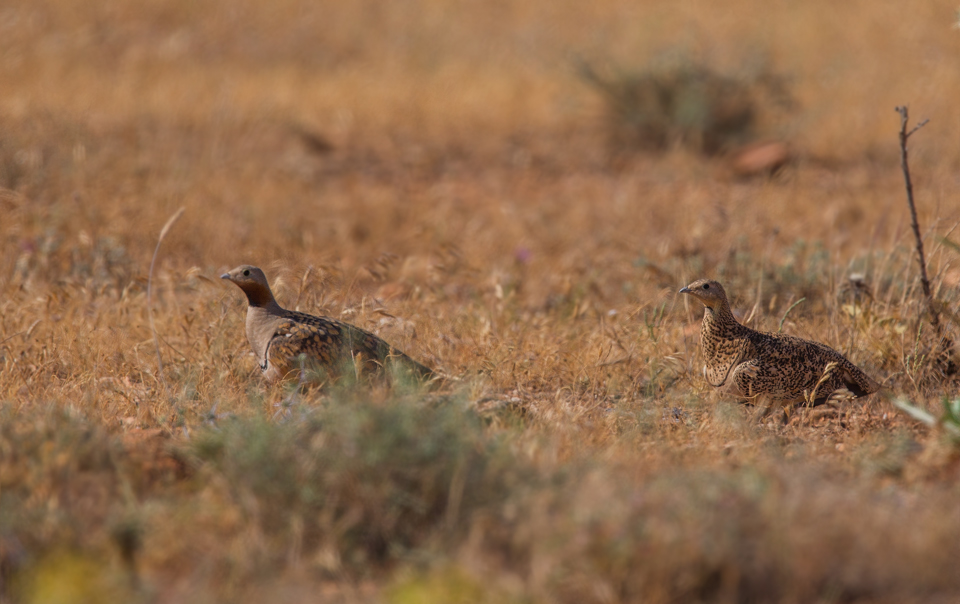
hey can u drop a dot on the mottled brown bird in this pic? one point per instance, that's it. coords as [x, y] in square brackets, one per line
[772, 369]
[284, 341]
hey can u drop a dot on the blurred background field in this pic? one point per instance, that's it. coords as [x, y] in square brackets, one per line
[463, 179]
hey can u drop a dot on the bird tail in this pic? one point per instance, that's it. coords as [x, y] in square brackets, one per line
[861, 387]
[405, 364]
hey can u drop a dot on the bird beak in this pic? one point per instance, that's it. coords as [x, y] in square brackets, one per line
[684, 291]
[225, 276]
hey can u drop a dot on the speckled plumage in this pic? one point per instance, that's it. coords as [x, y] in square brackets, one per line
[773, 367]
[280, 338]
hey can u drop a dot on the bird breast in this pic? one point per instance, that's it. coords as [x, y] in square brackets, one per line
[261, 326]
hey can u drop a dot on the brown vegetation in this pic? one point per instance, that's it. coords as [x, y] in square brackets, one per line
[438, 173]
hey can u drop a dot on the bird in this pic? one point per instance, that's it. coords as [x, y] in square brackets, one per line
[286, 341]
[771, 369]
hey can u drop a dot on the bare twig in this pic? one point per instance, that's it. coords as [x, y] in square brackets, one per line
[2, 342]
[25, 334]
[156, 340]
[924, 281]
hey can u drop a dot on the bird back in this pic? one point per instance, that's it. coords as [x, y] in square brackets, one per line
[334, 343]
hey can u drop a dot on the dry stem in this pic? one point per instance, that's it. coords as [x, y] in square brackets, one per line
[924, 281]
[153, 261]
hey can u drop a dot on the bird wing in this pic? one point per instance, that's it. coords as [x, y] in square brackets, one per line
[787, 367]
[725, 357]
[761, 378]
[374, 348]
[318, 343]
[331, 343]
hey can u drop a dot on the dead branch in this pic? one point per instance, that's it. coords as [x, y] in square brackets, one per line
[924, 280]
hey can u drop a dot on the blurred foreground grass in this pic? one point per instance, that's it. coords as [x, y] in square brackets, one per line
[352, 490]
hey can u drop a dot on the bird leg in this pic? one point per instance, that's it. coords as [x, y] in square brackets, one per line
[292, 398]
[302, 374]
[764, 405]
[788, 413]
[357, 363]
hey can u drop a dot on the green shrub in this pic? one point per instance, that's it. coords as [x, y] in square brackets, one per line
[687, 104]
[367, 480]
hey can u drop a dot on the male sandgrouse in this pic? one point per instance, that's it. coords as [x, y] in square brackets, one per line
[772, 369]
[285, 341]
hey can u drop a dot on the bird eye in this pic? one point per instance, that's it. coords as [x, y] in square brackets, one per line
[706, 286]
[246, 272]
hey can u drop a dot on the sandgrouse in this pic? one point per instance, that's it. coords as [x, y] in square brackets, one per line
[772, 369]
[284, 341]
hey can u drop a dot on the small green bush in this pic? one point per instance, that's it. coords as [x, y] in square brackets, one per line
[372, 480]
[687, 104]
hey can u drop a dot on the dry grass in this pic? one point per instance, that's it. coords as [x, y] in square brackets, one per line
[437, 172]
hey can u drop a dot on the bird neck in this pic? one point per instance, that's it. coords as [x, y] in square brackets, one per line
[260, 297]
[720, 321]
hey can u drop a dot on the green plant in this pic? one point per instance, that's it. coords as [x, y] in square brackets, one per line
[367, 480]
[949, 420]
[686, 103]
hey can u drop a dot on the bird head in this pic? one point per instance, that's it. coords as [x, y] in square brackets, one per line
[707, 291]
[253, 283]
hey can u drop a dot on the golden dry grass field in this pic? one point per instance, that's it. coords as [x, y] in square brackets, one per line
[439, 172]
